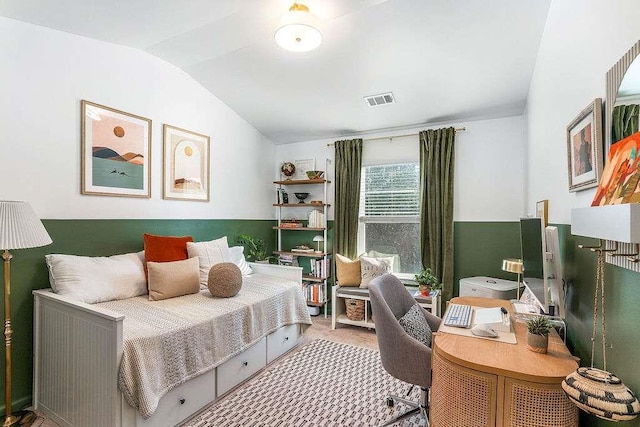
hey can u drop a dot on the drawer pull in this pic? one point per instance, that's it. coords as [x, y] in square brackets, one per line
[286, 338]
[245, 363]
[182, 401]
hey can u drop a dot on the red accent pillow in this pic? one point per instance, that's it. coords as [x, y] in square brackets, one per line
[164, 248]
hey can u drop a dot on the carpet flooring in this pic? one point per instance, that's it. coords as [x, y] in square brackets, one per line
[322, 384]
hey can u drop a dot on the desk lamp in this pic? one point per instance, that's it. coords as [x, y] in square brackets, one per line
[20, 228]
[513, 265]
[318, 239]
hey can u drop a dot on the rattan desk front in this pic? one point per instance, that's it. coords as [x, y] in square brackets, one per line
[478, 382]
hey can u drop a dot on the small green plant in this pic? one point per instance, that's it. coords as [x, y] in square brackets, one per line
[256, 248]
[539, 325]
[426, 278]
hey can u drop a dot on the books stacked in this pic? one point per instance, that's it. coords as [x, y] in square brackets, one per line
[302, 249]
[320, 268]
[291, 223]
[316, 219]
[289, 260]
[313, 292]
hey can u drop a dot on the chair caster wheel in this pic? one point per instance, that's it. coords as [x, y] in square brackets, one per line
[390, 402]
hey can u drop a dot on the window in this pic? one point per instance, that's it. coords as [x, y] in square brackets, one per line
[390, 215]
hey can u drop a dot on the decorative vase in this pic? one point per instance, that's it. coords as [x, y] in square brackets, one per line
[537, 343]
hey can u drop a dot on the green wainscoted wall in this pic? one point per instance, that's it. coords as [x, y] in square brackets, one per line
[479, 250]
[94, 238]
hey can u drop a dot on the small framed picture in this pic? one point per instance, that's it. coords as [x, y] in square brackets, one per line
[584, 148]
[186, 165]
[542, 211]
[116, 152]
[302, 166]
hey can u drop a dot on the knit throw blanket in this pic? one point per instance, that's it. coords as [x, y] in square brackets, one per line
[169, 342]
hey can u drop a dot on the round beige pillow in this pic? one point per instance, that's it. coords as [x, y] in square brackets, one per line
[225, 280]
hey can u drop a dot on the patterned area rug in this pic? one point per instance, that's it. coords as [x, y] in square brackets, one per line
[323, 384]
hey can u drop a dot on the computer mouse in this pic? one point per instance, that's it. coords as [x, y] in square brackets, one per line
[484, 330]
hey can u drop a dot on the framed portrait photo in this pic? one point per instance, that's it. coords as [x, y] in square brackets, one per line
[584, 148]
[116, 152]
[186, 165]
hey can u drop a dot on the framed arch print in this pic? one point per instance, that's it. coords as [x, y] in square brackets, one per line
[584, 148]
[116, 152]
[186, 165]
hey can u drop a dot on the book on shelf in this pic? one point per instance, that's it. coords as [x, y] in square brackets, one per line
[320, 268]
[289, 260]
[314, 292]
[316, 219]
[290, 224]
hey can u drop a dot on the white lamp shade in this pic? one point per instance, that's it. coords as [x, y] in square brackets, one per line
[318, 238]
[298, 31]
[20, 228]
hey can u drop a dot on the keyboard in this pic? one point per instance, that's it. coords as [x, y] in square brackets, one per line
[458, 315]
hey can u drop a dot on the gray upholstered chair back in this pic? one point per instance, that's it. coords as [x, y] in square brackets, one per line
[402, 356]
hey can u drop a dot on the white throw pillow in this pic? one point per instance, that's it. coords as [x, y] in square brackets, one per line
[371, 268]
[209, 253]
[237, 257]
[97, 279]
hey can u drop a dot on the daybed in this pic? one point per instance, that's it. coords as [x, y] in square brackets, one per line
[79, 347]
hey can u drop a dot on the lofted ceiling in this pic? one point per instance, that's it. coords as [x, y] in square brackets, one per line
[444, 61]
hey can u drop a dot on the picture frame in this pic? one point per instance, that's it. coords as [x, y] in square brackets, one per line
[302, 166]
[115, 152]
[186, 174]
[584, 147]
[542, 211]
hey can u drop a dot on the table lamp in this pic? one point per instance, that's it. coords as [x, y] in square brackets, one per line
[20, 228]
[513, 265]
[318, 239]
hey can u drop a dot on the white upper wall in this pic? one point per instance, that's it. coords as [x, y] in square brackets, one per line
[489, 160]
[582, 40]
[45, 73]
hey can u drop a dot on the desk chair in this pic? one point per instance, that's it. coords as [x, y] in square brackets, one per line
[402, 356]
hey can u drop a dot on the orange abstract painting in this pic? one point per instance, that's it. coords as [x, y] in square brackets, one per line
[621, 175]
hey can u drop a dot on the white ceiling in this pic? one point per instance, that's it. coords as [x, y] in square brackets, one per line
[443, 60]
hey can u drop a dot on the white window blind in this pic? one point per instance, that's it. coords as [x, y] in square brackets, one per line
[389, 191]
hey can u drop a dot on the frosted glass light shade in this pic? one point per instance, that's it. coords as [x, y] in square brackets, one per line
[298, 30]
[20, 228]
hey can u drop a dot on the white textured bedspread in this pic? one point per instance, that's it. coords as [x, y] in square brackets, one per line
[171, 341]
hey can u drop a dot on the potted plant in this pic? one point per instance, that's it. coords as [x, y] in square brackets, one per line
[256, 248]
[538, 328]
[427, 281]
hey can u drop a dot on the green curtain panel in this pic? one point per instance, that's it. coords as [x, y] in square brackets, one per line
[348, 160]
[625, 121]
[436, 204]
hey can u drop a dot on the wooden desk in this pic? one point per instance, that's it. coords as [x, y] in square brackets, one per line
[478, 382]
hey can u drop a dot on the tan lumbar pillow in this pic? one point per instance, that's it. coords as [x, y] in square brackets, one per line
[173, 279]
[225, 280]
[347, 271]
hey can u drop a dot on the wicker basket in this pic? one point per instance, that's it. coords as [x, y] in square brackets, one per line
[355, 308]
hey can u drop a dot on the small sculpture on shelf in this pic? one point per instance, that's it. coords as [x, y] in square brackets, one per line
[288, 169]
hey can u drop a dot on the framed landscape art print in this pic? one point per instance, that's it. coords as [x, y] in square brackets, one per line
[186, 165]
[584, 147]
[116, 152]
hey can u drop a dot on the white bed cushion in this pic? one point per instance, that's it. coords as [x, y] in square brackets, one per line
[97, 279]
[237, 257]
[209, 253]
[374, 267]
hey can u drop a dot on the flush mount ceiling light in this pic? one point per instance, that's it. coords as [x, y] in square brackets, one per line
[298, 30]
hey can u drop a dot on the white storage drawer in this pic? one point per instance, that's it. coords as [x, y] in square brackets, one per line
[281, 341]
[234, 371]
[181, 402]
[488, 287]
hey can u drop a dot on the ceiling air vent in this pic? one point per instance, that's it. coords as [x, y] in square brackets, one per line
[380, 99]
